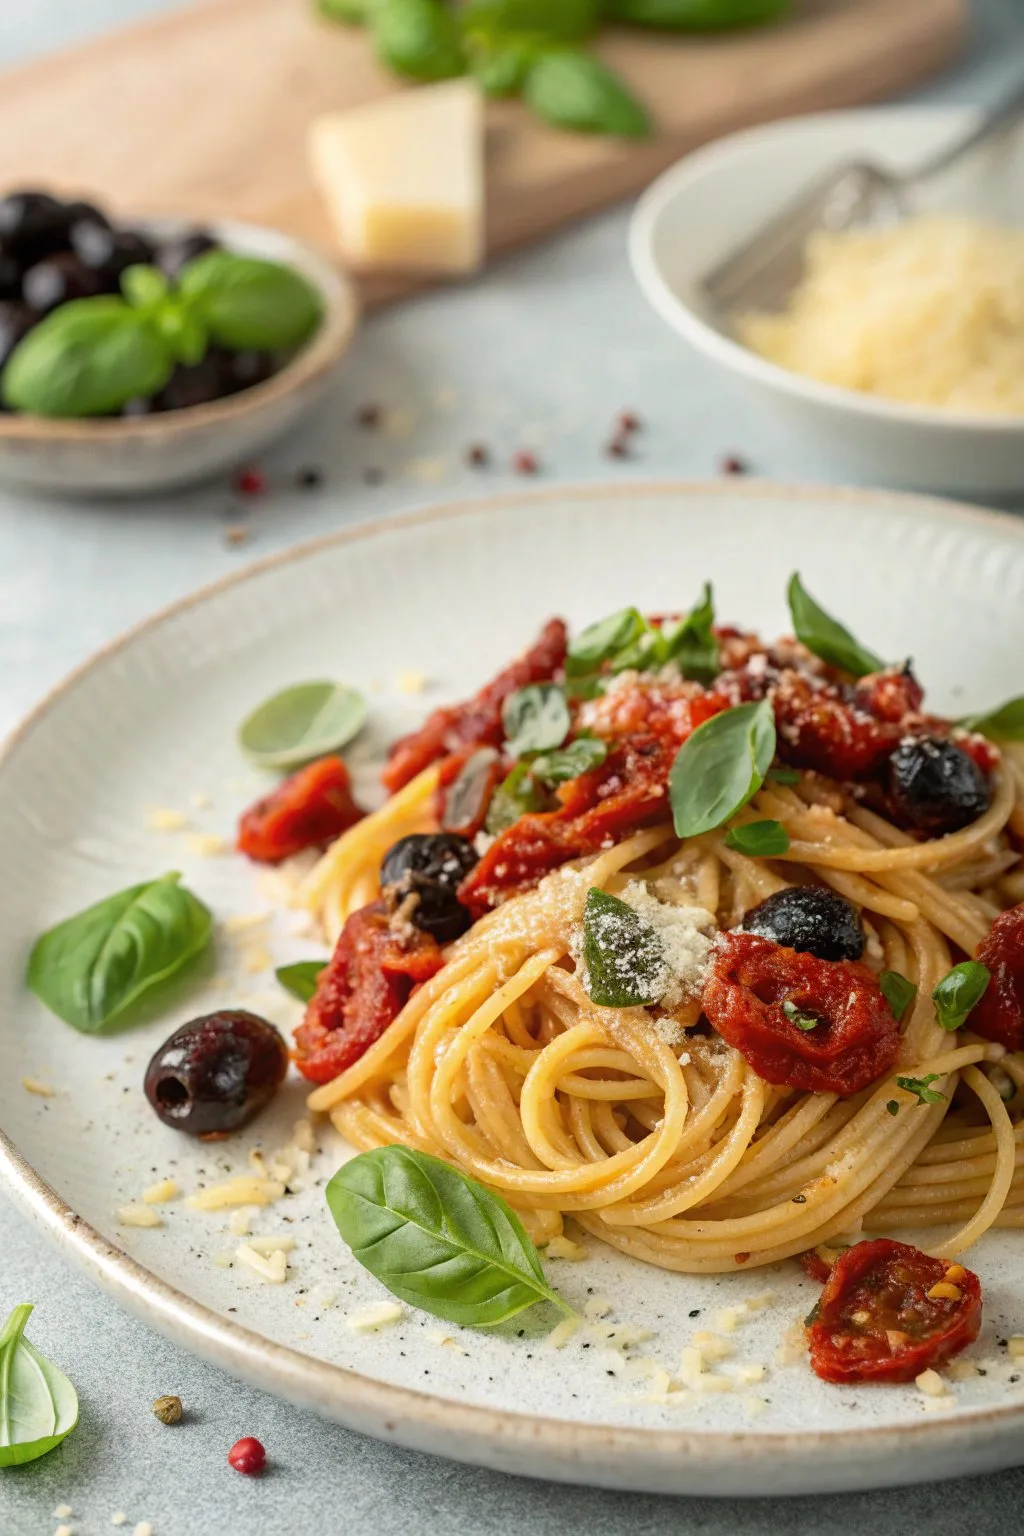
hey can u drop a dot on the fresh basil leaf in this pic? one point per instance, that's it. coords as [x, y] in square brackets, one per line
[143, 286]
[501, 68]
[759, 839]
[437, 1239]
[244, 302]
[691, 643]
[1003, 724]
[960, 990]
[578, 757]
[589, 687]
[182, 330]
[898, 992]
[575, 90]
[563, 21]
[301, 723]
[788, 776]
[624, 959]
[825, 637]
[721, 767]
[418, 38]
[517, 795]
[535, 719]
[93, 968]
[353, 13]
[301, 978]
[86, 358]
[599, 642]
[921, 1086]
[695, 15]
[802, 1020]
[38, 1405]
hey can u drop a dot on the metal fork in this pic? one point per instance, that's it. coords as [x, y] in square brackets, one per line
[764, 270]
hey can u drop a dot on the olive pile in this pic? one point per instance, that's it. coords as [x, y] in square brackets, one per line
[53, 251]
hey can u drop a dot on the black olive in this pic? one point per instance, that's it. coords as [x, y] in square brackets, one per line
[431, 866]
[170, 258]
[11, 270]
[215, 1073]
[55, 280]
[934, 787]
[141, 405]
[15, 322]
[241, 370]
[31, 224]
[192, 384]
[811, 919]
[107, 252]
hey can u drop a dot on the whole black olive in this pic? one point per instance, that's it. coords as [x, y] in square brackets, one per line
[934, 787]
[106, 251]
[192, 384]
[430, 865]
[811, 919]
[170, 258]
[215, 1073]
[31, 224]
[10, 275]
[241, 370]
[77, 210]
[16, 320]
[55, 280]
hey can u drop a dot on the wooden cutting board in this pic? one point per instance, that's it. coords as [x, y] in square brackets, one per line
[204, 111]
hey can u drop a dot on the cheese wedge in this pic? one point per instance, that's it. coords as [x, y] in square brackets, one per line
[403, 179]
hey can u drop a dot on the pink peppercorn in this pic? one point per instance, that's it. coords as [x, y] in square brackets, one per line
[247, 1456]
[250, 482]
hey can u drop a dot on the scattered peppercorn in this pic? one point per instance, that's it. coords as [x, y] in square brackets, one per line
[368, 417]
[236, 533]
[373, 475]
[629, 421]
[732, 464]
[168, 1409]
[309, 478]
[524, 462]
[799, 1200]
[247, 1456]
[695, 1312]
[477, 456]
[618, 447]
[250, 482]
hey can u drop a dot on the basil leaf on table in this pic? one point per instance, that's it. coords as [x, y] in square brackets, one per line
[244, 302]
[759, 839]
[300, 979]
[573, 90]
[535, 719]
[898, 992]
[691, 643]
[94, 967]
[301, 723]
[624, 957]
[418, 38]
[960, 990]
[825, 637]
[38, 1404]
[1006, 723]
[695, 15]
[517, 795]
[721, 767]
[437, 1239]
[86, 358]
[499, 68]
[578, 757]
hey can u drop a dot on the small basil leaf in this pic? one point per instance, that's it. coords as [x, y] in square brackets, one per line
[695, 15]
[1003, 724]
[244, 302]
[437, 1239]
[500, 68]
[517, 795]
[759, 839]
[720, 767]
[302, 723]
[799, 1017]
[960, 990]
[301, 978]
[575, 90]
[898, 992]
[921, 1086]
[143, 286]
[599, 642]
[624, 959]
[691, 643]
[86, 358]
[783, 776]
[418, 38]
[578, 757]
[92, 968]
[564, 21]
[38, 1405]
[182, 330]
[535, 718]
[466, 802]
[825, 637]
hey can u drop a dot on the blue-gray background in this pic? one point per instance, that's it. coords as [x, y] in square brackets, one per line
[543, 351]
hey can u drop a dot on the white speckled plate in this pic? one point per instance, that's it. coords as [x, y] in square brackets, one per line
[452, 593]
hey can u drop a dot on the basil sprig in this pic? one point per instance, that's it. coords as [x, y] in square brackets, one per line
[95, 967]
[301, 723]
[245, 302]
[572, 89]
[721, 767]
[38, 1404]
[300, 979]
[626, 640]
[1006, 723]
[580, 756]
[437, 1239]
[898, 992]
[921, 1086]
[959, 991]
[825, 637]
[535, 719]
[759, 839]
[624, 957]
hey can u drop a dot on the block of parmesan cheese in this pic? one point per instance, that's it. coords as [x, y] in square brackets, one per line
[403, 179]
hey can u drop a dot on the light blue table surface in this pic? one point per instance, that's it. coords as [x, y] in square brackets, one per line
[543, 351]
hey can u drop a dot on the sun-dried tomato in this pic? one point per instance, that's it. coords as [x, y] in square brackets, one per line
[310, 809]
[815, 1266]
[819, 728]
[891, 695]
[759, 995]
[477, 722]
[1000, 1014]
[878, 1320]
[363, 989]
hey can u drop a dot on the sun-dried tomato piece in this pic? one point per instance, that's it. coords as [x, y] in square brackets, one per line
[815, 1266]
[477, 722]
[822, 1026]
[363, 989]
[819, 728]
[879, 1317]
[310, 809]
[1000, 1014]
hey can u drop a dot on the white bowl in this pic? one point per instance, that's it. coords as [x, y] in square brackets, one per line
[701, 209]
[122, 456]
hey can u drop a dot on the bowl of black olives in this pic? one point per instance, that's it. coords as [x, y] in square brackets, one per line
[140, 357]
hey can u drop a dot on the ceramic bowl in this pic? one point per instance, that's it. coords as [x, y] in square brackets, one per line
[698, 212]
[158, 453]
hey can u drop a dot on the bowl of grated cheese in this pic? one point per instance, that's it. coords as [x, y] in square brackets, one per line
[899, 356]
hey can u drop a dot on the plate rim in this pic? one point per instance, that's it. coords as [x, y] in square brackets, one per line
[528, 1444]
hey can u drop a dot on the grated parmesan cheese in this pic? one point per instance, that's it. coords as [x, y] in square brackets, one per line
[1015, 1346]
[240, 1222]
[562, 1332]
[272, 1267]
[137, 1215]
[564, 1248]
[63, 1512]
[272, 1244]
[686, 935]
[244, 1190]
[381, 1316]
[931, 1383]
[160, 1193]
[445, 1341]
[119, 1517]
[596, 1307]
[41, 1090]
[240, 922]
[207, 845]
[160, 819]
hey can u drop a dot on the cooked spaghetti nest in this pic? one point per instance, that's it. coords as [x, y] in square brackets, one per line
[664, 1142]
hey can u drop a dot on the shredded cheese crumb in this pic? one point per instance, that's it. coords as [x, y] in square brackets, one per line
[562, 1332]
[240, 1222]
[63, 1512]
[272, 1267]
[160, 1193]
[256, 959]
[445, 1341]
[224, 1260]
[142, 1529]
[201, 801]
[754, 1406]
[244, 1190]
[381, 1316]
[207, 845]
[961, 1370]
[729, 1319]
[411, 682]
[712, 1347]
[41, 1090]
[137, 1215]
[564, 1248]
[63, 1530]
[931, 1383]
[749, 1372]
[119, 1517]
[938, 1404]
[302, 1136]
[686, 935]
[1015, 1346]
[942, 1290]
[241, 922]
[160, 819]
[272, 1244]
[596, 1307]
